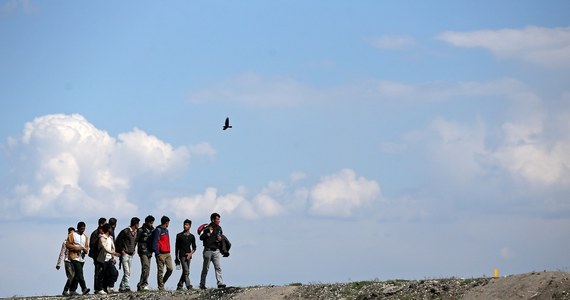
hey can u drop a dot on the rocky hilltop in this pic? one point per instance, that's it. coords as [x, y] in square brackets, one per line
[535, 285]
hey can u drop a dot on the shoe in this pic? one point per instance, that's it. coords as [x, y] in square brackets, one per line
[190, 287]
[86, 291]
[125, 290]
[202, 287]
[221, 286]
[111, 290]
[73, 293]
[65, 293]
[145, 288]
[101, 292]
[179, 288]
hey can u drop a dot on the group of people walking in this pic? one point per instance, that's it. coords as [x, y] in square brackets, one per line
[107, 252]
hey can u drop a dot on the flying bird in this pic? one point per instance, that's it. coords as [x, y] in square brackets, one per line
[227, 124]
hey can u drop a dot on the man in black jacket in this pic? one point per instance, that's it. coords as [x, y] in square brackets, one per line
[144, 244]
[125, 245]
[185, 246]
[212, 236]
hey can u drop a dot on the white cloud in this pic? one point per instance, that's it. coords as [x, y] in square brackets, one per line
[11, 6]
[538, 45]
[63, 163]
[341, 194]
[392, 42]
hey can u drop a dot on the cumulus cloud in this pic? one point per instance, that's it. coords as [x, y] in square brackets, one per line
[62, 163]
[263, 204]
[342, 193]
[392, 42]
[548, 47]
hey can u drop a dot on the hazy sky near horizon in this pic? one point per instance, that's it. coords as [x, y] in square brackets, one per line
[370, 139]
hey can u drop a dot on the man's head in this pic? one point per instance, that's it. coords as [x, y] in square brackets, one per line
[113, 222]
[215, 218]
[135, 222]
[149, 220]
[187, 225]
[102, 221]
[81, 227]
[164, 221]
[106, 228]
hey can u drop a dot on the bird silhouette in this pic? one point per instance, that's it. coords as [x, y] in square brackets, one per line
[227, 124]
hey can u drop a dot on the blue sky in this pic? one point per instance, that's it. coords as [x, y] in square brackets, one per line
[378, 139]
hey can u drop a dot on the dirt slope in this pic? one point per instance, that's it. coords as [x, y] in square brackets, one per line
[535, 285]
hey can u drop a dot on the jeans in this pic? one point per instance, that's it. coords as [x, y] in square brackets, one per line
[185, 277]
[70, 273]
[78, 278]
[126, 262]
[216, 258]
[145, 272]
[162, 260]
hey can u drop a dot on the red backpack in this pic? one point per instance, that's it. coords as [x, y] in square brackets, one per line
[201, 228]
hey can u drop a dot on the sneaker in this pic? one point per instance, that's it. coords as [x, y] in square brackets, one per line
[179, 288]
[124, 290]
[202, 287]
[111, 290]
[73, 293]
[101, 292]
[221, 286]
[86, 291]
[190, 287]
[65, 293]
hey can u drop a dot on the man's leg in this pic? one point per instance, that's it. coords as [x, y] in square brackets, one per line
[169, 269]
[217, 260]
[145, 271]
[160, 271]
[69, 273]
[126, 263]
[205, 266]
[186, 272]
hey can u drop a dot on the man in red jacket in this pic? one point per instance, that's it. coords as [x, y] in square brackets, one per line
[161, 248]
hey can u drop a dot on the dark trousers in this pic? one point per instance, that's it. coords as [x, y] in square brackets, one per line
[185, 277]
[108, 274]
[145, 272]
[78, 277]
[98, 276]
[70, 273]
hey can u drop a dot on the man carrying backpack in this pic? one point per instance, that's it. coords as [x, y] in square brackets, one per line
[144, 244]
[212, 236]
[161, 247]
[94, 252]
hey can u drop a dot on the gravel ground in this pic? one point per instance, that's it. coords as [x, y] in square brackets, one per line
[535, 285]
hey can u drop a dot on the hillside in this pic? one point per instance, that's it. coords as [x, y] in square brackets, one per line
[535, 285]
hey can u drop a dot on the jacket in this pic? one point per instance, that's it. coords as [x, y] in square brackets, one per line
[210, 240]
[106, 248]
[144, 240]
[160, 240]
[126, 241]
[77, 245]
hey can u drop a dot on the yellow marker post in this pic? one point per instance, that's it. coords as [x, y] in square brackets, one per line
[495, 273]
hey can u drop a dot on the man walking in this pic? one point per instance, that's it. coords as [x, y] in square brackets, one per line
[64, 255]
[144, 244]
[161, 247]
[185, 246]
[211, 236]
[78, 246]
[94, 251]
[125, 244]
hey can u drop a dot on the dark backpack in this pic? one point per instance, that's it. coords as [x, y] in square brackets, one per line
[94, 244]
